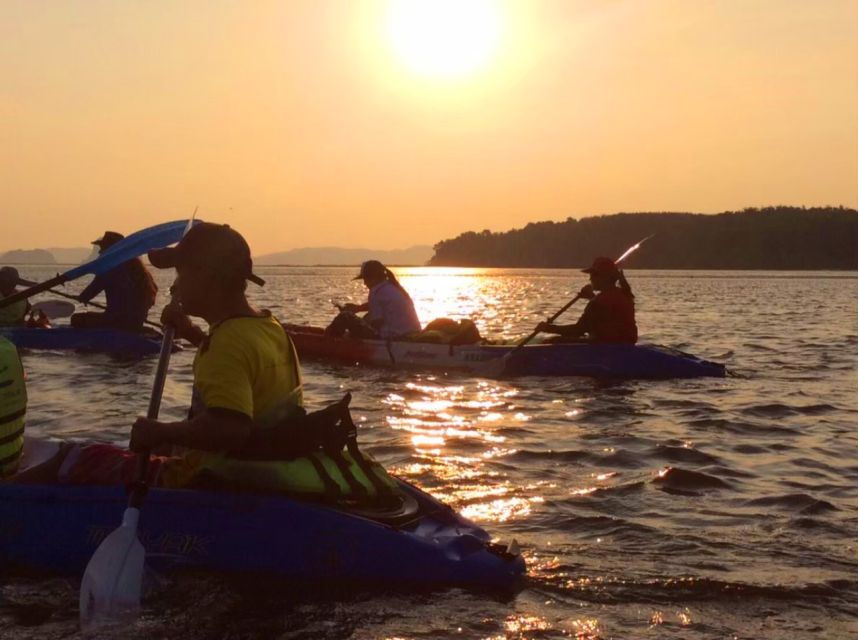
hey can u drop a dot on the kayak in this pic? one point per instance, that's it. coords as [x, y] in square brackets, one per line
[114, 341]
[581, 359]
[420, 543]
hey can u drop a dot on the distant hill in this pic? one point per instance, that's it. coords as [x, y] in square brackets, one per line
[769, 238]
[417, 255]
[74, 255]
[27, 256]
[71, 255]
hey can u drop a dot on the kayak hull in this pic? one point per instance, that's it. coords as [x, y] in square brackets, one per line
[593, 360]
[114, 341]
[57, 528]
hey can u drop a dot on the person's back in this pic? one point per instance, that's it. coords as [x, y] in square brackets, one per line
[609, 318]
[393, 308]
[129, 289]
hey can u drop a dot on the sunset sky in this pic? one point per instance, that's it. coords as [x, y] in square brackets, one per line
[388, 124]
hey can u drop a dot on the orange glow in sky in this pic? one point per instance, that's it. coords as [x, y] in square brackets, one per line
[389, 123]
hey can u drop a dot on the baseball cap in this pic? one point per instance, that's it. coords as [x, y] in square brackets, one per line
[370, 269]
[601, 265]
[215, 247]
[109, 239]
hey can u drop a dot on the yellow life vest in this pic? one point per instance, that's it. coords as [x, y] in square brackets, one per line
[14, 315]
[318, 475]
[13, 408]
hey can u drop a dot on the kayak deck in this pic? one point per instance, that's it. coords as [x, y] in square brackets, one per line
[573, 359]
[104, 340]
[424, 544]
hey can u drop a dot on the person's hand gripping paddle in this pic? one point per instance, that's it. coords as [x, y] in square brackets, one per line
[113, 581]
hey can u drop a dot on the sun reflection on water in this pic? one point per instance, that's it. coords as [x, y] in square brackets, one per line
[455, 434]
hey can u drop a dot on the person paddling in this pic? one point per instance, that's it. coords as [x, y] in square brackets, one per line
[609, 317]
[246, 373]
[129, 289]
[14, 315]
[390, 309]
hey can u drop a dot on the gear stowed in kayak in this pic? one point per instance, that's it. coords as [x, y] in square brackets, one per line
[418, 542]
[115, 341]
[595, 360]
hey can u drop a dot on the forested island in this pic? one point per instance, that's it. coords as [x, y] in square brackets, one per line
[767, 238]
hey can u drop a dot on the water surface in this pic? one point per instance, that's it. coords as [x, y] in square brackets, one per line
[708, 508]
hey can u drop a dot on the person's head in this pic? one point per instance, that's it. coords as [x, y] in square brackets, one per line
[106, 241]
[372, 272]
[603, 273]
[8, 280]
[213, 265]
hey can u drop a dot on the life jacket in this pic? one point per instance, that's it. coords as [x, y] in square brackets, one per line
[13, 408]
[14, 315]
[312, 455]
[613, 317]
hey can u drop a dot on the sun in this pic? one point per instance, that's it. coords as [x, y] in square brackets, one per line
[444, 38]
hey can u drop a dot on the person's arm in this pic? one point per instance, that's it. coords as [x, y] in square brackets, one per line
[578, 329]
[356, 308]
[92, 289]
[217, 430]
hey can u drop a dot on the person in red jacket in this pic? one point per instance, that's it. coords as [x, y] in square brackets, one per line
[609, 317]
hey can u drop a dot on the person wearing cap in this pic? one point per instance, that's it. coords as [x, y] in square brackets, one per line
[14, 315]
[609, 317]
[246, 374]
[129, 289]
[390, 310]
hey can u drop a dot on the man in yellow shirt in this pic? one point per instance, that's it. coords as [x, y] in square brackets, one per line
[246, 372]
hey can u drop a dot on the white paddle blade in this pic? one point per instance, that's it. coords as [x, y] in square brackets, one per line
[113, 580]
[55, 308]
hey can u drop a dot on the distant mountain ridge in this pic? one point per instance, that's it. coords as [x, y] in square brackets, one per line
[309, 256]
[769, 238]
[54, 255]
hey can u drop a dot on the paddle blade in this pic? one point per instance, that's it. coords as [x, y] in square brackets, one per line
[55, 308]
[113, 581]
[133, 246]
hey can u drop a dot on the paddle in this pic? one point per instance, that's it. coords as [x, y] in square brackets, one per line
[505, 359]
[113, 581]
[135, 245]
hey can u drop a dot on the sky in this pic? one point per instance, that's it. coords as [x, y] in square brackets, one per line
[385, 124]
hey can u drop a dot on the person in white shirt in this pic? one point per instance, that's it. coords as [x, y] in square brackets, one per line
[390, 310]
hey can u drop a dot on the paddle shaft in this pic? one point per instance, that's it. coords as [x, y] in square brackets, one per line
[550, 320]
[39, 288]
[138, 488]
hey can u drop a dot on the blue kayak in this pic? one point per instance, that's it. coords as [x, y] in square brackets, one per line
[575, 359]
[420, 543]
[114, 341]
